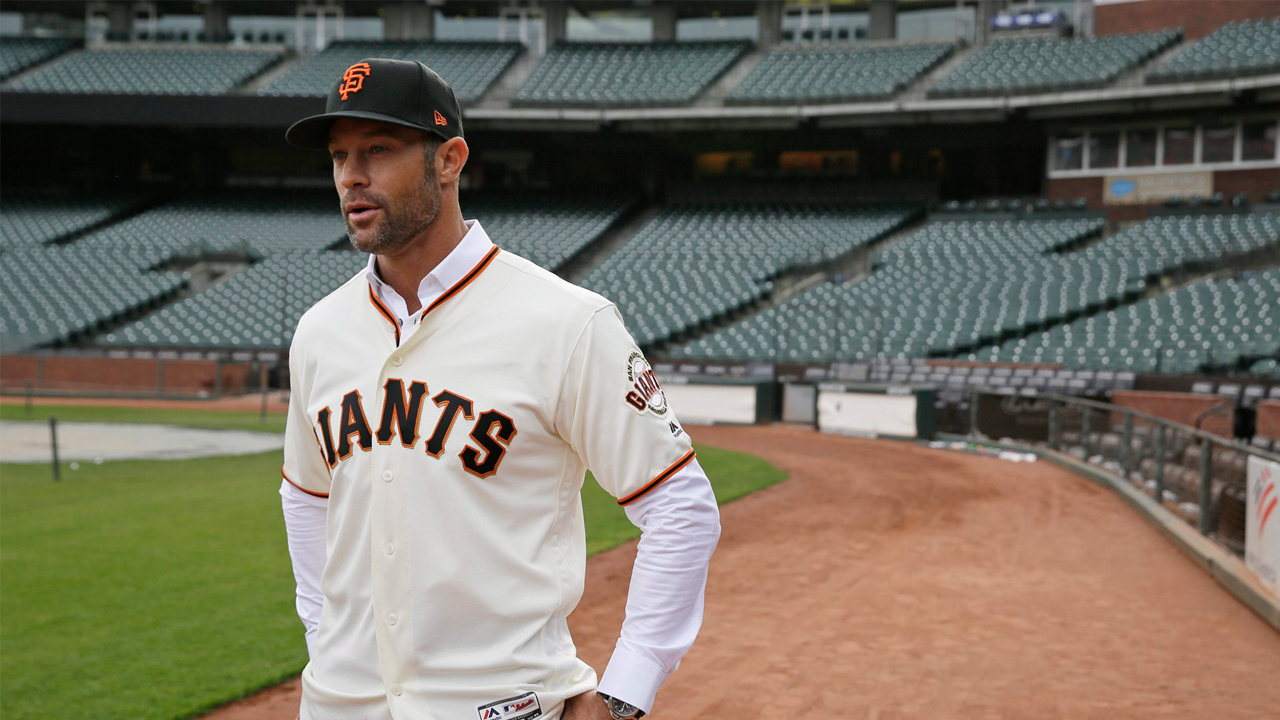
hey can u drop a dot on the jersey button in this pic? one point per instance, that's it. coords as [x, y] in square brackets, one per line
[391, 548]
[391, 619]
[386, 475]
[397, 361]
[395, 690]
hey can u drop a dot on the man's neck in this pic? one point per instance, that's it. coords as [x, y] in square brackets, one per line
[404, 270]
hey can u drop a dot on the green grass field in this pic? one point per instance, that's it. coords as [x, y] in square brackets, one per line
[161, 589]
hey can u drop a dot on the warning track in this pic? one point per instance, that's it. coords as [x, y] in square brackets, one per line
[885, 580]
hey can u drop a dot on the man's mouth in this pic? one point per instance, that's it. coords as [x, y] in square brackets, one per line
[359, 211]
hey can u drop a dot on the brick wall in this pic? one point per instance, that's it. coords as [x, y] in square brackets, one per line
[123, 375]
[1269, 419]
[1178, 407]
[1197, 17]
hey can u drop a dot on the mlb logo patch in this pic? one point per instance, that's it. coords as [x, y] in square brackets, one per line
[520, 707]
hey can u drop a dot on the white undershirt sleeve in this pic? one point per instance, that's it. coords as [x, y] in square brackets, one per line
[679, 522]
[305, 520]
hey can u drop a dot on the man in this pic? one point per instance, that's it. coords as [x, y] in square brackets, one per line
[445, 403]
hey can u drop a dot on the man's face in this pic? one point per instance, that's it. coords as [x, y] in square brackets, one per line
[386, 180]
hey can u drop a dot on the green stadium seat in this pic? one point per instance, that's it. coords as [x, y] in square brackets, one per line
[836, 73]
[1234, 50]
[148, 71]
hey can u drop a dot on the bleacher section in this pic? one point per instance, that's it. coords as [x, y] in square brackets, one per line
[1208, 325]
[691, 265]
[290, 231]
[469, 67]
[1032, 65]
[18, 54]
[255, 310]
[833, 74]
[956, 284]
[255, 223]
[1234, 50]
[945, 286]
[148, 71]
[547, 231]
[628, 73]
[29, 218]
[53, 293]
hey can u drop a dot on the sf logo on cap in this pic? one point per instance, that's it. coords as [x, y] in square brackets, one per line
[353, 79]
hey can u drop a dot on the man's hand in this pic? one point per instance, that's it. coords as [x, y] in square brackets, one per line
[587, 706]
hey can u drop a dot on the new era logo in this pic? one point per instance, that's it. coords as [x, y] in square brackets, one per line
[440, 118]
[353, 80]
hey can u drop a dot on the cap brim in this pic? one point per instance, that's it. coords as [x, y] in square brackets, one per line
[313, 132]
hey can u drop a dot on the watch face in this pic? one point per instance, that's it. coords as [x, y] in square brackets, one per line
[622, 709]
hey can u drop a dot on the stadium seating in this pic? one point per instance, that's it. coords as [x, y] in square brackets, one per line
[18, 54]
[1234, 50]
[690, 265]
[469, 67]
[148, 71]
[28, 218]
[255, 310]
[256, 223]
[1031, 65]
[628, 73]
[1266, 368]
[818, 74]
[259, 307]
[52, 293]
[1207, 325]
[947, 285]
[547, 231]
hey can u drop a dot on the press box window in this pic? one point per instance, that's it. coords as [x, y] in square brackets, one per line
[1068, 153]
[1104, 149]
[1259, 141]
[1218, 144]
[1179, 146]
[1140, 148]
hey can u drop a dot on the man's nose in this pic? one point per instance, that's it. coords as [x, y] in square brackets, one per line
[354, 174]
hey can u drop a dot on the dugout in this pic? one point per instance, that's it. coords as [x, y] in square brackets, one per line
[874, 410]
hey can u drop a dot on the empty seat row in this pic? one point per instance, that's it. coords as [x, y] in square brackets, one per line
[148, 71]
[1233, 50]
[833, 74]
[36, 218]
[469, 67]
[1028, 65]
[576, 73]
[18, 54]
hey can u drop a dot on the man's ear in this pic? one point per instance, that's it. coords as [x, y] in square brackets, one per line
[451, 157]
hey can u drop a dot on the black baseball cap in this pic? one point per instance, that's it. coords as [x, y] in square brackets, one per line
[400, 92]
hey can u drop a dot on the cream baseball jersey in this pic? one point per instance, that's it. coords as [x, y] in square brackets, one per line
[453, 464]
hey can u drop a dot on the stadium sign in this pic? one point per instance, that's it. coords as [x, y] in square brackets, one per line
[1149, 188]
[1262, 522]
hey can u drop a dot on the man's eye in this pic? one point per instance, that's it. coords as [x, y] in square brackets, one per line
[377, 148]
[339, 155]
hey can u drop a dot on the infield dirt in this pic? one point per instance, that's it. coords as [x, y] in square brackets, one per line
[886, 581]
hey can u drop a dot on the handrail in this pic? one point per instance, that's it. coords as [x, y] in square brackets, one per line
[1157, 420]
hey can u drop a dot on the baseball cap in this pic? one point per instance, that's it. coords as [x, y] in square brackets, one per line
[400, 92]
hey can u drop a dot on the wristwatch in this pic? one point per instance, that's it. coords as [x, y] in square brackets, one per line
[621, 710]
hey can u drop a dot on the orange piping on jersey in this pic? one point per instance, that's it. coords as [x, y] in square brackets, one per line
[286, 479]
[675, 467]
[385, 313]
[466, 280]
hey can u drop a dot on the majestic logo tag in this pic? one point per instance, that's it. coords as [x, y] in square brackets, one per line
[520, 707]
[645, 392]
[353, 79]
[440, 118]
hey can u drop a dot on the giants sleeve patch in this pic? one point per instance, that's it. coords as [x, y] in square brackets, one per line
[645, 395]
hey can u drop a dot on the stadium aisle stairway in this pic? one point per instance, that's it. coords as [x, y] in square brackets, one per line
[1033, 65]
[580, 73]
[31, 218]
[1211, 324]
[692, 265]
[1234, 50]
[834, 74]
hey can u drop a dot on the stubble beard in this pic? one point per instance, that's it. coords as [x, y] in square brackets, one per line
[401, 222]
